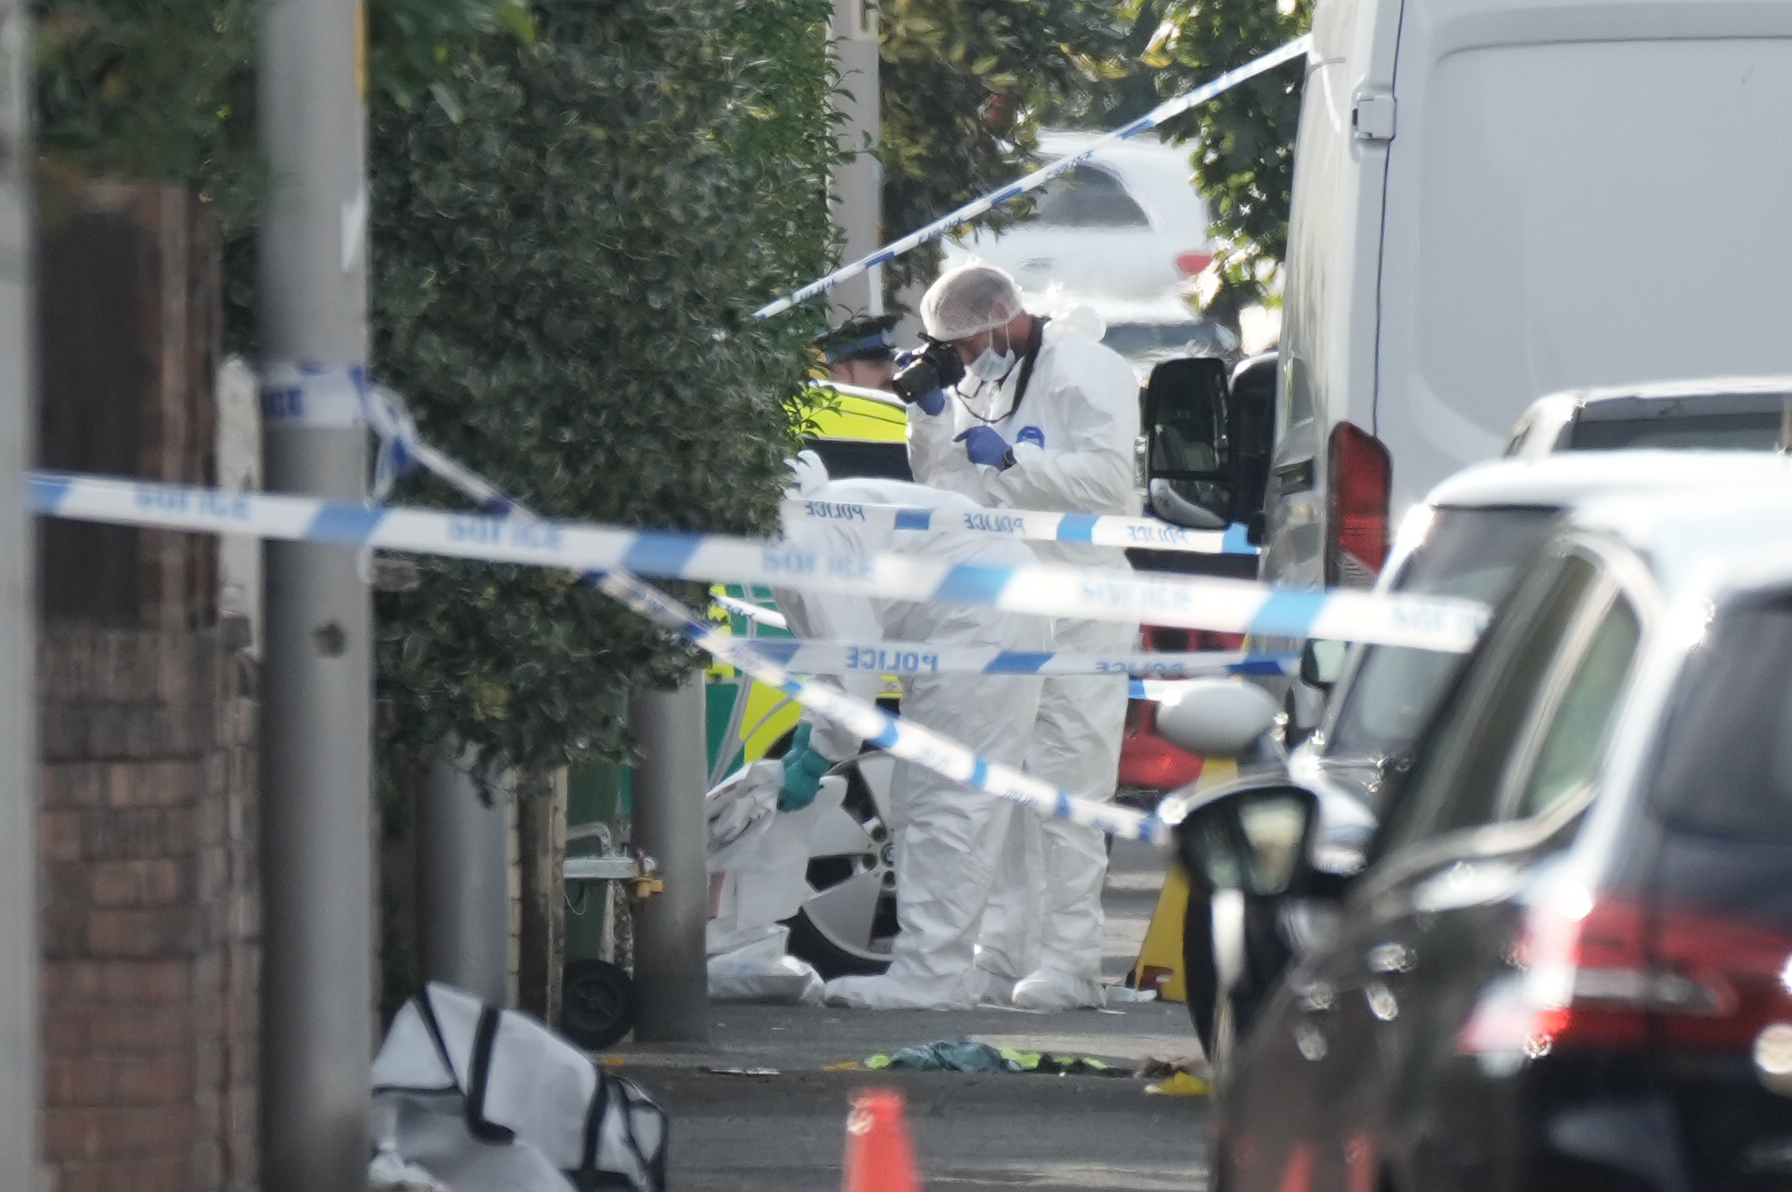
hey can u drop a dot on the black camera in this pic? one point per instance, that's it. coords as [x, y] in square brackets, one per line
[936, 366]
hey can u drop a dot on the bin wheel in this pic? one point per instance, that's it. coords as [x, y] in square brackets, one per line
[597, 1003]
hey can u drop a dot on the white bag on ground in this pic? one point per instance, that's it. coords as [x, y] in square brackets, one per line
[751, 965]
[490, 1100]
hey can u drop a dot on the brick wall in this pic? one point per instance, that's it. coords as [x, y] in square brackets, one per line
[150, 924]
[147, 721]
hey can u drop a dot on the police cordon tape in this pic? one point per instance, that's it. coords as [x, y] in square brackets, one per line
[1153, 598]
[874, 726]
[1013, 190]
[914, 658]
[1034, 526]
[752, 612]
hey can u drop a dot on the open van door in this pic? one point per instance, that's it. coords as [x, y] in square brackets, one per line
[1208, 438]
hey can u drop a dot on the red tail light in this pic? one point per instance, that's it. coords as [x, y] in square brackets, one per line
[1189, 264]
[1602, 974]
[1361, 478]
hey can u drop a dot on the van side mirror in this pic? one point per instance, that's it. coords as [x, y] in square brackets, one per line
[1253, 839]
[1322, 662]
[1208, 440]
[1186, 443]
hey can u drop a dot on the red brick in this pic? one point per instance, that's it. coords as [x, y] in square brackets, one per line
[153, 783]
[167, 931]
[147, 883]
[72, 785]
[141, 1175]
[62, 835]
[159, 1131]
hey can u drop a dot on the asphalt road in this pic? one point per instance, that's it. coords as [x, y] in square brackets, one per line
[757, 1106]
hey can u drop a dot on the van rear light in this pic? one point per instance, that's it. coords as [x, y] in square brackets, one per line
[1361, 481]
[1193, 262]
[1588, 974]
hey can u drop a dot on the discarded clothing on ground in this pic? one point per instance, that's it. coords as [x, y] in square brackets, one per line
[490, 1100]
[963, 1055]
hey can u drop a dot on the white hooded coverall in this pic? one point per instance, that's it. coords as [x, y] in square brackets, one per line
[1084, 399]
[948, 837]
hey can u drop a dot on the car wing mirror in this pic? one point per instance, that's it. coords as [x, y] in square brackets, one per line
[1216, 717]
[1253, 838]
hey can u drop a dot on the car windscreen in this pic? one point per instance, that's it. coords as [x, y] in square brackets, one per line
[1471, 553]
[1726, 761]
[1751, 431]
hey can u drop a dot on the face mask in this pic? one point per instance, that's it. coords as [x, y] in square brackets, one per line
[991, 367]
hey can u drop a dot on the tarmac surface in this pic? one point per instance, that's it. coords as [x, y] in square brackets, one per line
[762, 1104]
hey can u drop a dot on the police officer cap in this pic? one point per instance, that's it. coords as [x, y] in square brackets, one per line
[860, 339]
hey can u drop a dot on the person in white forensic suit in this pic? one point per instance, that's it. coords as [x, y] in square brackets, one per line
[948, 836]
[1044, 418]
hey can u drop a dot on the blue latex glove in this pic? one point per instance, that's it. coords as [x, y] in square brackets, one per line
[931, 402]
[1033, 435]
[803, 768]
[985, 446]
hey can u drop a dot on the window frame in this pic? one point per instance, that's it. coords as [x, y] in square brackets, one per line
[1617, 575]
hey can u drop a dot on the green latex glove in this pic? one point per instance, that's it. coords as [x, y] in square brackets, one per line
[803, 768]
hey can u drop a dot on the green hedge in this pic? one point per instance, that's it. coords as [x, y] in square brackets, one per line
[562, 282]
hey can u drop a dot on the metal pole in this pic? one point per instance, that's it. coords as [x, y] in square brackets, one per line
[316, 741]
[856, 186]
[18, 687]
[671, 983]
[463, 881]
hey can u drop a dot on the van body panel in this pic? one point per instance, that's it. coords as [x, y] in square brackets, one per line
[1546, 195]
[1327, 357]
[1549, 197]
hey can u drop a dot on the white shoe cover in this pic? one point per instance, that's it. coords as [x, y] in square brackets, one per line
[883, 993]
[991, 989]
[1048, 989]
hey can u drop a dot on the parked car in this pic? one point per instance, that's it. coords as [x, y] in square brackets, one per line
[1471, 538]
[1567, 960]
[1726, 413]
[1127, 224]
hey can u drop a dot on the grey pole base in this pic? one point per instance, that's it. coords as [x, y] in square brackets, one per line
[463, 880]
[671, 982]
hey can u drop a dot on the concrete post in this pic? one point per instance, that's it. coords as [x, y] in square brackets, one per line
[18, 728]
[463, 881]
[317, 708]
[856, 186]
[671, 984]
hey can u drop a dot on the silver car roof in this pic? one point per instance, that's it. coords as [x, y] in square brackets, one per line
[1707, 545]
[1567, 478]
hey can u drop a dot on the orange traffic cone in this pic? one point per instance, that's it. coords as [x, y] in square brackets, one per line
[879, 1155]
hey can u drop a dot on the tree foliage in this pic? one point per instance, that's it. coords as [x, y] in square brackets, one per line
[965, 83]
[563, 279]
[1243, 140]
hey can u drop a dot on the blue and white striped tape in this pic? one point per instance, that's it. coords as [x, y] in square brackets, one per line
[1098, 529]
[1153, 598]
[1013, 190]
[913, 658]
[875, 726]
[753, 612]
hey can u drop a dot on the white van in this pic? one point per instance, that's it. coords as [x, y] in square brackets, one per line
[1499, 199]
[1496, 200]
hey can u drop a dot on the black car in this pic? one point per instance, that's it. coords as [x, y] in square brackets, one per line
[1567, 962]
